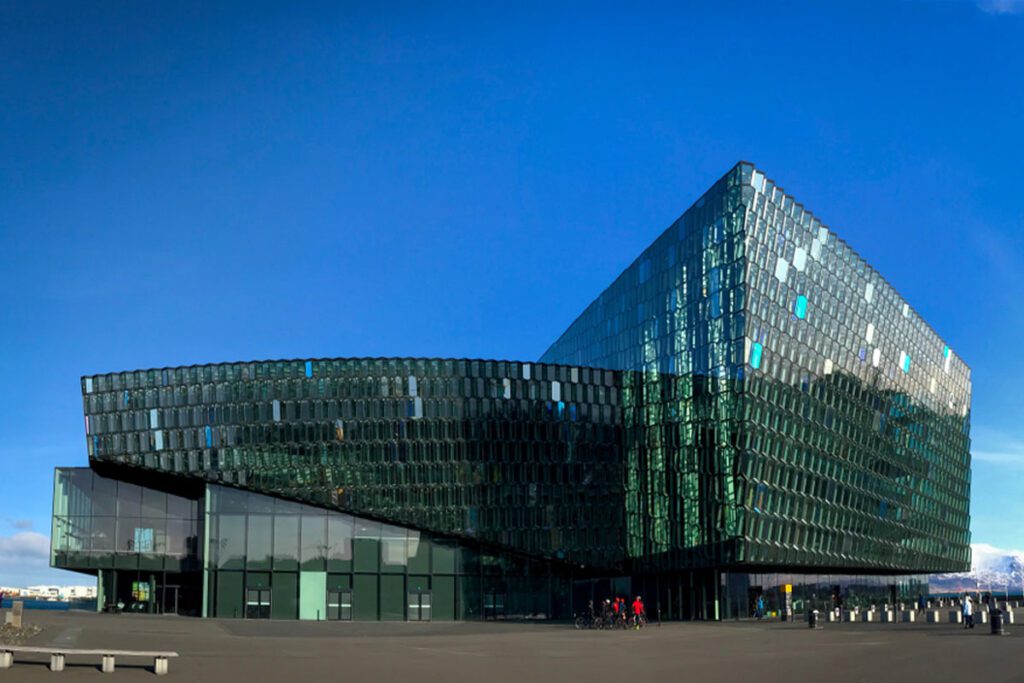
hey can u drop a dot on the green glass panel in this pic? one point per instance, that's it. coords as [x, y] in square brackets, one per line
[286, 542]
[339, 582]
[314, 539]
[392, 598]
[229, 595]
[259, 541]
[284, 600]
[444, 553]
[419, 553]
[443, 598]
[366, 550]
[364, 597]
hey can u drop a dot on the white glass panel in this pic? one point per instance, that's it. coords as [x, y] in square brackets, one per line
[781, 269]
[800, 259]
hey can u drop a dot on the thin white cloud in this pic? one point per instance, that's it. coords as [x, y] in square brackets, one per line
[22, 524]
[998, 449]
[1001, 6]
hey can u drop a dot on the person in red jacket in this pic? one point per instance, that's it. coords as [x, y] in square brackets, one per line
[638, 611]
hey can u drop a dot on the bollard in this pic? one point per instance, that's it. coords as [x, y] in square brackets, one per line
[908, 616]
[108, 664]
[955, 616]
[6, 659]
[812, 619]
[997, 623]
[14, 616]
[868, 616]
[56, 661]
[933, 616]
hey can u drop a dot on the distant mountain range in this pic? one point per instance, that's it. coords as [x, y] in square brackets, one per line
[991, 569]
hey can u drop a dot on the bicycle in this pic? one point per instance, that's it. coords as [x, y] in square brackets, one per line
[588, 622]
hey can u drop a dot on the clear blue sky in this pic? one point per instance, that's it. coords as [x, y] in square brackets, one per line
[185, 184]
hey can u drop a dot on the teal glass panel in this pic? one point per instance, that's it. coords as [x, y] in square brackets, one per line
[800, 308]
[755, 355]
[312, 595]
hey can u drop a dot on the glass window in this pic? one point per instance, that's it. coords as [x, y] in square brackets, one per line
[314, 539]
[231, 541]
[286, 542]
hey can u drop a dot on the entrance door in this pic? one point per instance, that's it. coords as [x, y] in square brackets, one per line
[419, 606]
[169, 599]
[339, 605]
[257, 603]
[494, 605]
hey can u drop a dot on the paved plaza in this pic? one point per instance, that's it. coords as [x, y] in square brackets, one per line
[228, 650]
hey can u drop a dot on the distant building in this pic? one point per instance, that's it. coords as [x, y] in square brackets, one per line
[748, 406]
[51, 592]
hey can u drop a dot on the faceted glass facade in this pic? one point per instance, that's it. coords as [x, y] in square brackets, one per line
[816, 420]
[748, 399]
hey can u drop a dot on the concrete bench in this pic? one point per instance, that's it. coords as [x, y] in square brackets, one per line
[57, 655]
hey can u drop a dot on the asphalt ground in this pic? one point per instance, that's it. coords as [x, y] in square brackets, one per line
[253, 651]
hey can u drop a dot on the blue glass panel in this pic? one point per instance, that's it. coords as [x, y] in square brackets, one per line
[906, 363]
[209, 437]
[945, 352]
[309, 368]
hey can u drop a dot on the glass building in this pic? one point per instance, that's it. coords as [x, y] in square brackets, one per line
[748, 409]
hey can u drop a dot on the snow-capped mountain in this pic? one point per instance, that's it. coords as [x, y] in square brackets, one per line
[991, 569]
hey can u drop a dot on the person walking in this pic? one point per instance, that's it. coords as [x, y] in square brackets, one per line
[607, 614]
[968, 612]
[759, 613]
[638, 612]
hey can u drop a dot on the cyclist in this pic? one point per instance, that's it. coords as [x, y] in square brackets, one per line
[638, 611]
